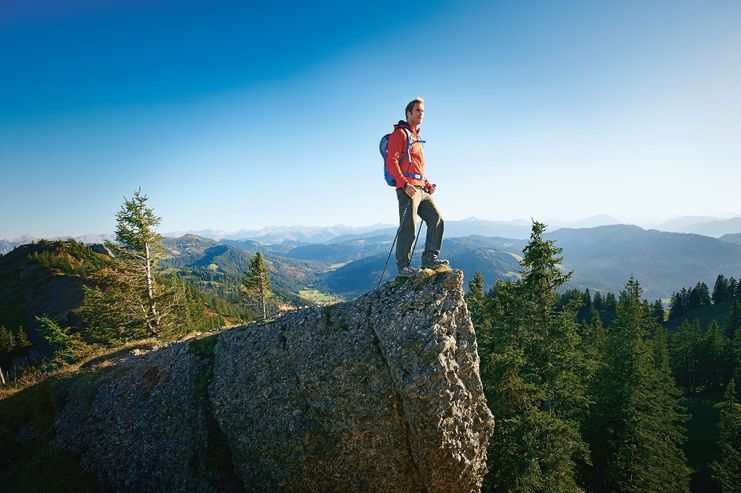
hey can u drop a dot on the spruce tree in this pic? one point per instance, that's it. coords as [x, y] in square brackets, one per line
[21, 339]
[716, 360]
[478, 302]
[128, 301]
[733, 318]
[685, 347]
[597, 301]
[726, 469]
[256, 284]
[636, 428]
[534, 370]
[720, 289]
[732, 287]
[658, 311]
[7, 340]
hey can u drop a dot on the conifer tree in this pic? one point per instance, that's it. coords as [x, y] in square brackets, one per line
[534, 369]
[128, 300]
[478, 302]
[732, 287]
[685, 348]
[720, 289]
[733, 319]
[256, 284]
[597, 301]
[636, 428]
[21, 339]
[7, 340]
[715, 361]
[726, 469]
[658, 311]
[699, 296]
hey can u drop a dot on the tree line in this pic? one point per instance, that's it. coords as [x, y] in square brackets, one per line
[689, 299]
[580, 403]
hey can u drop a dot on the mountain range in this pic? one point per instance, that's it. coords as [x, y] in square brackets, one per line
[284, 238]
[602, 258]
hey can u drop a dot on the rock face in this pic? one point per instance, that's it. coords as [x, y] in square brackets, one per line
[379, 394]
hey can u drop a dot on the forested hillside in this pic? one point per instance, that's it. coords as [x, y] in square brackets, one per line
[599, 390]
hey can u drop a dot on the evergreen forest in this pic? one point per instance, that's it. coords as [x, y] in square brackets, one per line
[608, 393]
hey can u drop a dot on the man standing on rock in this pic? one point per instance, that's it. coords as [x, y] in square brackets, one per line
[405, 162]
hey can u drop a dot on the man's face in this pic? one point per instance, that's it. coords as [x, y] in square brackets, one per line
[417, 115]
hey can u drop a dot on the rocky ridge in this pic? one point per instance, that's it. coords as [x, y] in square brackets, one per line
[379, 394]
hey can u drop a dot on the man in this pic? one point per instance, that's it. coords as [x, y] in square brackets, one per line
[413, 191]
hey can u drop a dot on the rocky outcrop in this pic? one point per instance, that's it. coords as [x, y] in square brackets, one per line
[379, 394]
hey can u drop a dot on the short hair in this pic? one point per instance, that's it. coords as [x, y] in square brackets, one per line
[410, 105]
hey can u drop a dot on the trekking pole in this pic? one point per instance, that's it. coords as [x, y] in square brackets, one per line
[417, 237]
[403, 215]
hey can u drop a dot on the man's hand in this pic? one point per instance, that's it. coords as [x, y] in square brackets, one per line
[410, 190]
[431, 188]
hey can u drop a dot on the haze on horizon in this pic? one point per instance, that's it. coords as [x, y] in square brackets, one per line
[235, 116]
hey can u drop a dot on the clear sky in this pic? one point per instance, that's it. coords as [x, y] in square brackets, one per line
[235, 116]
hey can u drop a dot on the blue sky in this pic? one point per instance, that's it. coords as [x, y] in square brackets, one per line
[235, 116]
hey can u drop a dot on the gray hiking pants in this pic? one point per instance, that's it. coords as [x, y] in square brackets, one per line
[424, 206]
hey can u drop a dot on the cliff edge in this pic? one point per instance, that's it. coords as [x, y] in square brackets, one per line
[378, 394]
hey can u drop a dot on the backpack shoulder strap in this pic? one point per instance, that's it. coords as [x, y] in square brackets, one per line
[409, 143]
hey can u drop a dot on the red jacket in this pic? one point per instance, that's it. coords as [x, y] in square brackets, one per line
[397, 147]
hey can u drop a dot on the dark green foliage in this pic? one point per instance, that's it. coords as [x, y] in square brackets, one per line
[256, 285]
[479, 303]
[687, 300]
[21, 339]
[723, 289]
[599, 306]
[534, 371]
[733, 318]
[727, 468]
[7, 340]
[636, 429]
[658, 311]
[68, 346]
[701, 361]
[702, 435]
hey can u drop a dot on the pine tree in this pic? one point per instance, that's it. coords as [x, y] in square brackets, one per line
[726, 469]
[256, 284]
[658, 311]
[733, 318]
[610, 304]
[21, 339]
[7, 340]
[636, 428]
[685, 348]
[479, 303]
[732, 287]
[715, 361]
[699, 296]
[597, 302]
[534, 371]
[720, 289]
[128, 301]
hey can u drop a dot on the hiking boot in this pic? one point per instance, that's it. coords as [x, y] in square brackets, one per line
[435, 262]
[408, 271]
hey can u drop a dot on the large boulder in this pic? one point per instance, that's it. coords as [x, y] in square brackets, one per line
[379, 394]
